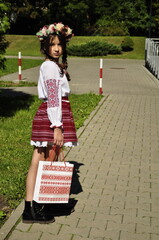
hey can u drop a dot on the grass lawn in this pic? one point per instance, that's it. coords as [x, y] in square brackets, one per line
[16, 116]
[29, 45]
[17, 84]
[12, 65]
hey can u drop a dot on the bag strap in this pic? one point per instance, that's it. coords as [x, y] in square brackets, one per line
[54, 154]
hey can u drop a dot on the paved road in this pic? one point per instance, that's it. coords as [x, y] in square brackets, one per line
[119, 77]
[117, 160]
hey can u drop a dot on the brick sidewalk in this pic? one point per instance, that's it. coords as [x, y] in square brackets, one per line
[118, 160]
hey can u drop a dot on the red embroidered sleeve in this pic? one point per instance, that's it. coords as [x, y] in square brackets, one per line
[53, 88]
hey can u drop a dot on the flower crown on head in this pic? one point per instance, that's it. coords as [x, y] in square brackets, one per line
[56, 28]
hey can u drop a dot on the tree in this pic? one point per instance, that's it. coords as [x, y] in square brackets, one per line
[154, 18]
[30, 15]
[77, 10]
[136, 16]
[4, 25]
[26, 16]
[124, 17]
[86, 17]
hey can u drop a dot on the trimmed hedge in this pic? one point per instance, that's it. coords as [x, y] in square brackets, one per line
[93, 48]
[127, 44]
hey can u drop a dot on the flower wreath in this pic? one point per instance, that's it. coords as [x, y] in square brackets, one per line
[56, 28]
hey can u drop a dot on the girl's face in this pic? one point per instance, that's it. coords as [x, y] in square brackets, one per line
[56, 48]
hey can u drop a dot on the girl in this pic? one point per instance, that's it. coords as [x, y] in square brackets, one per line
[53, 122]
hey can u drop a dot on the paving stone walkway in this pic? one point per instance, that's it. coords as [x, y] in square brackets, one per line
[117, 164]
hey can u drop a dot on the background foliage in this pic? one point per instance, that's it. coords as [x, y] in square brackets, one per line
[4, 25]
[86, 17]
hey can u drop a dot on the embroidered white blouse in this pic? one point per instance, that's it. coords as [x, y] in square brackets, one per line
[52, 87]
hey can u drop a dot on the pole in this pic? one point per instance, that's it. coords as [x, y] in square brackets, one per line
[19, 66]
[100, 76]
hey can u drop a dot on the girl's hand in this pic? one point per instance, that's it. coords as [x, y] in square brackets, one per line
[58, 137]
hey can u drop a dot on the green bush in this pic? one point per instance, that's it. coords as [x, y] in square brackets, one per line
[105, 26]
[4, 22]
[93, 48]
[127, 44]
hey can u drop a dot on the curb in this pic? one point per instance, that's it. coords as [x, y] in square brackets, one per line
[11, 222]
[154, 79]
[9, 226]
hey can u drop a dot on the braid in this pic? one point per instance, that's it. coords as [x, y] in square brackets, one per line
[64, 60]
[65, 64]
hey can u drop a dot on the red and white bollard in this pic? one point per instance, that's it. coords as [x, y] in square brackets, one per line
[100, 76]
[19, 66]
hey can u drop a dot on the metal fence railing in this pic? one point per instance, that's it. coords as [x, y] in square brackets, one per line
[152, 55]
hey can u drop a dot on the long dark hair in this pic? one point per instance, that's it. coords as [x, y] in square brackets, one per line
[45, 49]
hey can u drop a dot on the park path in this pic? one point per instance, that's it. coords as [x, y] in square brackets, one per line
[117, 161]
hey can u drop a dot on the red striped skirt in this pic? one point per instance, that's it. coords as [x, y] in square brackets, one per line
[41, 130]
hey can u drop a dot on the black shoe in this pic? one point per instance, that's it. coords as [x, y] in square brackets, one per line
[35, 213]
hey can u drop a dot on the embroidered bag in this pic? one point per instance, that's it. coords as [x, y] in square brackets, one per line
[53, 181]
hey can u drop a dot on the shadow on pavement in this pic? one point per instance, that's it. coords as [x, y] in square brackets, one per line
[61, 209]
[76, 187]
[65, 209]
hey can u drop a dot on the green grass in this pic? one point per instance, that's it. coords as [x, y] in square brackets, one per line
[17, 84]
[29, 45]
[12, 65]
[16, 116]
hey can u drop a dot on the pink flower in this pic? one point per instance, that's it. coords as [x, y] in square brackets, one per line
[51, 28]
[59, 26]
[44, 30]
[69, 31]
